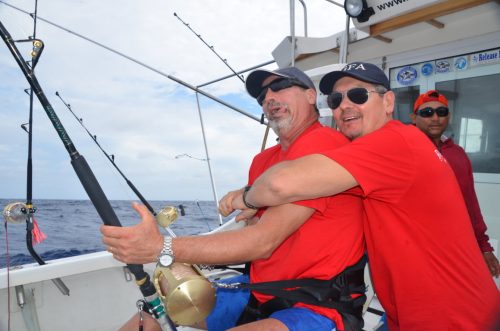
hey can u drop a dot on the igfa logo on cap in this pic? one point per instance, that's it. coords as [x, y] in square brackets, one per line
[354, 66]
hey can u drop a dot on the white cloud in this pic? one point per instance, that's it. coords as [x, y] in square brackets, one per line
[141, 117]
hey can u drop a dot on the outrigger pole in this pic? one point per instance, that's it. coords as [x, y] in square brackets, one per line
[87, 178]
[29, 209]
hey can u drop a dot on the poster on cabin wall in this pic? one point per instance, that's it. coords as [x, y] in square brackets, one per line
[419, 73]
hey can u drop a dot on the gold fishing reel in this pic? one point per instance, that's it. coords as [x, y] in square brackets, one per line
[14, 212]
[167, 216]
[188, 296]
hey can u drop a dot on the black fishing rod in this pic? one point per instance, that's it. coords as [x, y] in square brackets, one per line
[110, 158]
[85, 175]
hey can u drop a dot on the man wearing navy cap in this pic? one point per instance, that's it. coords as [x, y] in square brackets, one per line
[425, 264]
[319, 241]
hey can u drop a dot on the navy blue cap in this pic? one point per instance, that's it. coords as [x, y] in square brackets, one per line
[363, 71]
[256, 78]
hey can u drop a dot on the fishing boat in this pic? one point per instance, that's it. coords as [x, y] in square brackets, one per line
[450, 45]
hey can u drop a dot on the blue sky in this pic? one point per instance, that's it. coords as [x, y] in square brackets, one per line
[143, 118]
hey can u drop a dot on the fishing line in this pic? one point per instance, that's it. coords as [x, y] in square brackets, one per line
[175, 79]
[203, 214]
[7, 261]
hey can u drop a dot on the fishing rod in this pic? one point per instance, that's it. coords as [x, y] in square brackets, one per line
[87, 179]
[211, 48]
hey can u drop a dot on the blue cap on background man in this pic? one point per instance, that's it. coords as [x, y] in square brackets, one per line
[256, 78]
[363, 71]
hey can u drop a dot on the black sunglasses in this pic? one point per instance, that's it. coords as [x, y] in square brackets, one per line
[357, 95]
[429, 112]
[278, 85]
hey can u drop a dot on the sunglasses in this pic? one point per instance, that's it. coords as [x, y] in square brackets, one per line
[429, 112]
[278, 85]
[357, 95]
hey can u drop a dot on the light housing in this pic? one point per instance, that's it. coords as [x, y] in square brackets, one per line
[358, 9]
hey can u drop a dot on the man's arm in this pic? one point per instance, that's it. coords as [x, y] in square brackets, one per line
[308, 177]
[142, 243]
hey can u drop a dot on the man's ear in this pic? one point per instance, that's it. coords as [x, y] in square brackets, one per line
[413, 117]
[311, 96]
[389, 102]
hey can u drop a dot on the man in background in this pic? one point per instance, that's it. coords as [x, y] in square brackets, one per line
[431, 115]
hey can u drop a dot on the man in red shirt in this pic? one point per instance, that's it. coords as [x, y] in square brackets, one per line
[431, 115]
[424, 262]
[314, 239]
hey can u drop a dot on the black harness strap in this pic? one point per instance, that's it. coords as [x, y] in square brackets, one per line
[333, 293]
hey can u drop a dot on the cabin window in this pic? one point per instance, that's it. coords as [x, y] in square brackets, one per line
[470, 83]
[471, 132]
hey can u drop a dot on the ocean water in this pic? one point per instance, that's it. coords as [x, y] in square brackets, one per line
[72, 227]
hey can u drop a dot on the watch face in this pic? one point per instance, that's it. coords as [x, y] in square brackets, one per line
[166, 260]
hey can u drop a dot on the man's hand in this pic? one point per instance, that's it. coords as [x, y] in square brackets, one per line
[492, 263]
[226, 203]
[234, 201]
[136, 244]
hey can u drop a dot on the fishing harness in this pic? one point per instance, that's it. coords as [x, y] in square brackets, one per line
[335, 293]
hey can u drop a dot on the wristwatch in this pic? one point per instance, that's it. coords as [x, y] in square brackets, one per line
[166, 256]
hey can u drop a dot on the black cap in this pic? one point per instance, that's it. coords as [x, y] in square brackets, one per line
[256, 78]
[366, 72]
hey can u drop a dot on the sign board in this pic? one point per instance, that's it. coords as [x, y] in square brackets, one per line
[388, 9]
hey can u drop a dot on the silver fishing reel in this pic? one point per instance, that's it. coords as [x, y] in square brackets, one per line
[14, 212]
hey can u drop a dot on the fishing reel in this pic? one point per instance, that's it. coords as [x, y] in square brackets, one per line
[15, 212]
[166, 216]
[187, 294]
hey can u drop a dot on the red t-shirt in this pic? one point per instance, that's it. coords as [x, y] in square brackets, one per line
[329, 241]
[425, 263]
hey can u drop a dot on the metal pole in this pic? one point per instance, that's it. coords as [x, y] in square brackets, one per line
[305, 17]
[336, 4]
[345, 42]
[239, 72]
[208, 160]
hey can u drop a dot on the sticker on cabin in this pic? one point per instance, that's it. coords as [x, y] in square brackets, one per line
[427, 69]
[406, 75]
[461, 63]
[442, 66]
[488, 57]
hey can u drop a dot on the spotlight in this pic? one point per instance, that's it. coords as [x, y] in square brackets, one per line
[358, 9]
